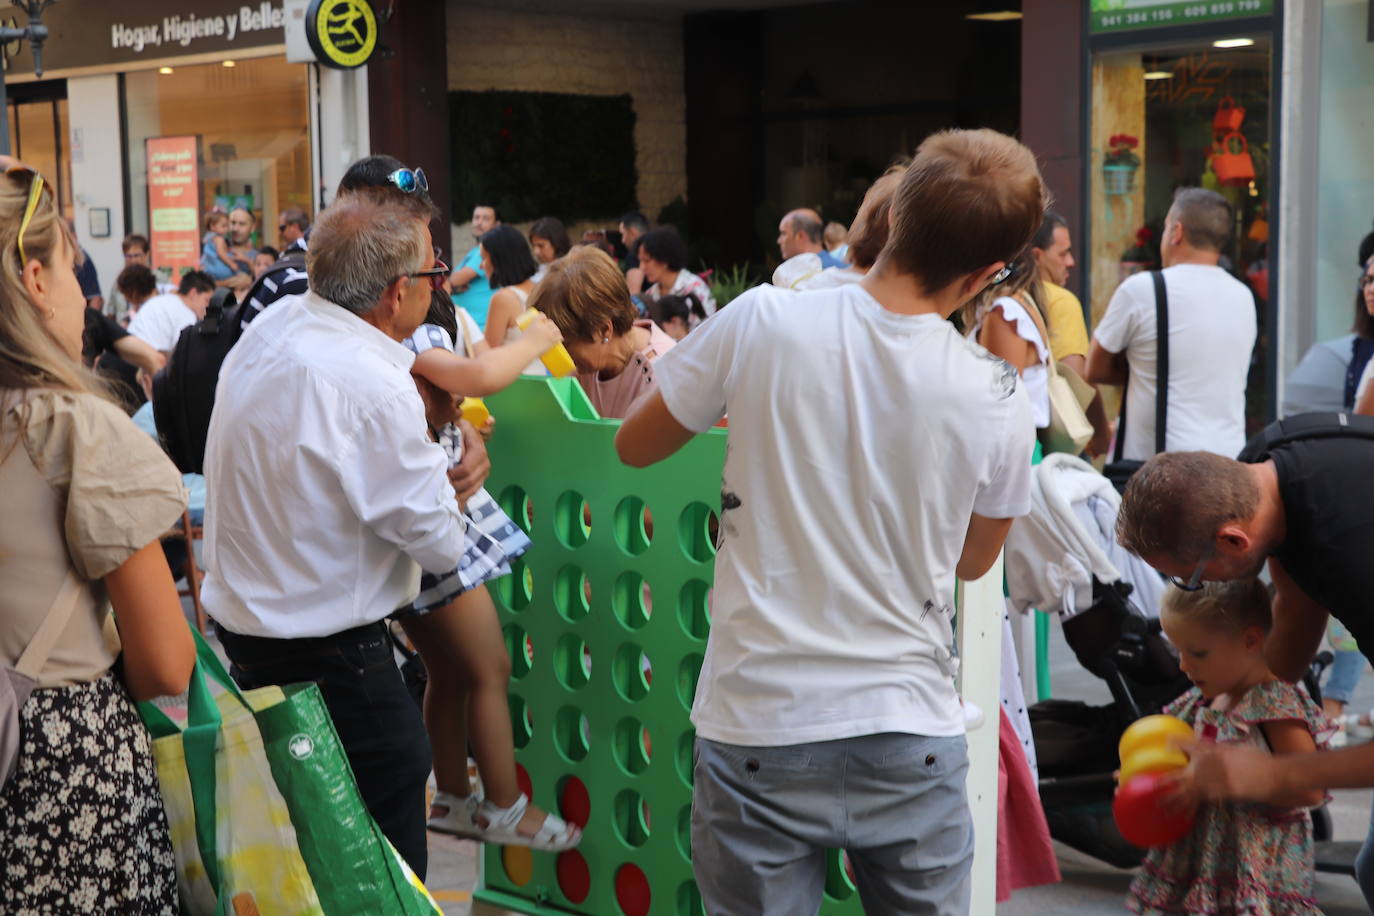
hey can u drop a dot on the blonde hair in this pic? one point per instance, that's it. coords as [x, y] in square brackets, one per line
[1228, 606]
[834, 234]
[582, 292]
[30, 356]
[1024, 286]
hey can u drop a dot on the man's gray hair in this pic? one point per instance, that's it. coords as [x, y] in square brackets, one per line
[801, 222]
[361, 245]
[1206, 217]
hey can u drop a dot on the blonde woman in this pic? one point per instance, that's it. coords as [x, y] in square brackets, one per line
[84, 497]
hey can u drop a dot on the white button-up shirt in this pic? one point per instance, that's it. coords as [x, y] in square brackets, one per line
[324, 495]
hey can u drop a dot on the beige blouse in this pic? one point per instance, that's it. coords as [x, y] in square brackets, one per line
[81, 487]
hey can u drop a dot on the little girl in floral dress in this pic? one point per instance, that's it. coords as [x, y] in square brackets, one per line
[1240, 858]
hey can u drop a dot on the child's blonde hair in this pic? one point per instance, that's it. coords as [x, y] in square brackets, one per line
[1231, 606]
[212, 217]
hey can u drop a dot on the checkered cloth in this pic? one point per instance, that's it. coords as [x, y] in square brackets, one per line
[493, 540]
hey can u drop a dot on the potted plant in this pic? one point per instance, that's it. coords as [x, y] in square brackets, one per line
[1119, 166]
[1140, 256]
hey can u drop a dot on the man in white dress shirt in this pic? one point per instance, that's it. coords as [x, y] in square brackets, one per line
[326, 497]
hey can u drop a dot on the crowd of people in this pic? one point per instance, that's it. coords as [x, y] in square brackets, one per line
[343, 489]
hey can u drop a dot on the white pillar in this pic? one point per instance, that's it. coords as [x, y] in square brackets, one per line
[1298, 123]
[979, 635]
[339, 125]
[97, 155]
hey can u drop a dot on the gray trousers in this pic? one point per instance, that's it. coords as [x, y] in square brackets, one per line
[763, 818]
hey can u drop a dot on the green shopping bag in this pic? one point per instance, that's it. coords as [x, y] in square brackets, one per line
[353, 867]
[236, 849]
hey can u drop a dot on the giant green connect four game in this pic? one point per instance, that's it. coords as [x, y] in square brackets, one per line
[606, 620]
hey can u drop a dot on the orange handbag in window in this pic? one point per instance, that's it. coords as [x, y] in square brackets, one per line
[1229, 116]
[1231, 160]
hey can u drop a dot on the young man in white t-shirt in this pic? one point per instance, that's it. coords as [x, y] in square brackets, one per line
[874, 454]
[160, 320]
[1211, 337]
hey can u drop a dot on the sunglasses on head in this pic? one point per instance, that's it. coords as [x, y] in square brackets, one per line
[1006, 273]
[36, 185]
[411, 181]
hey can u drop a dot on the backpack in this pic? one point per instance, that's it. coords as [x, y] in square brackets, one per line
[184, 390]
[1303, 427]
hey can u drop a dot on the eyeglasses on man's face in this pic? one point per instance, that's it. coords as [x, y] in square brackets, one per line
[1194, 582]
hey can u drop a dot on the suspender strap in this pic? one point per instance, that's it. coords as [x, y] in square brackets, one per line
[1162, 359]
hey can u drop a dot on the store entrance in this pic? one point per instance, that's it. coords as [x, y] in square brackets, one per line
[1191, 114]
[38, 128]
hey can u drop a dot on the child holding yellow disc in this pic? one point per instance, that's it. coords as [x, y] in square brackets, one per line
[1239, 857]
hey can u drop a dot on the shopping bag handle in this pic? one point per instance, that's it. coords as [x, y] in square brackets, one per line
[199, 738]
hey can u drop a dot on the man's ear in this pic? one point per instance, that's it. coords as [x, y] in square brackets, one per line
[1232, 539]
[977, 281]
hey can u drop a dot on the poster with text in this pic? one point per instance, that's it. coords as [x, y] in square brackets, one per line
[174, 203]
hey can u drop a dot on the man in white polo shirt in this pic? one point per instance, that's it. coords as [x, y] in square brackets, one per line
[1211, 336]
[874, 455]
[161, 319]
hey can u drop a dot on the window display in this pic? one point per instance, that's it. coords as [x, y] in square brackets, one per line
[1164, 118]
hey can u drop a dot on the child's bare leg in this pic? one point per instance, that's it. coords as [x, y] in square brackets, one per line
[445, 711]
[465, 637]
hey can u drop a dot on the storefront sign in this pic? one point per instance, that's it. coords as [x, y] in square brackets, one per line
[1121, 15]
[342, 33]
[100, 34]
[174, 202]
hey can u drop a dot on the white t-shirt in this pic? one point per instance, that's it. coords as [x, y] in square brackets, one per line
[1037, 376]
[1211, 337]
[861, 441]
[159, 321]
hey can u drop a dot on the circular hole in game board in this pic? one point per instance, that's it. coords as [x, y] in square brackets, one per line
[572, 519]
[634, 530]
[572, 733]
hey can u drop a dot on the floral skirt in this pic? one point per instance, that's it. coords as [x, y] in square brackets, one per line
[82, 828]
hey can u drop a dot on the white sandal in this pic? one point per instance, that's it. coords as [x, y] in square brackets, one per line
[501, 827]
[459, 820]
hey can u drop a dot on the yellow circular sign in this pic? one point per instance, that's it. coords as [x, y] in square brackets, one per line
[342, 33]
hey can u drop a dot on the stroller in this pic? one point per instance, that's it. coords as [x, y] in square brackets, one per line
[1063, 558]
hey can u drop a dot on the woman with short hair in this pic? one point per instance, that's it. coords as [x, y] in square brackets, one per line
[549, 240]
[586, 296]
[663, 256]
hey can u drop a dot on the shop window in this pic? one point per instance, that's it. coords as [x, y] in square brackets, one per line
[1186, 115]
[38, 131]
[251, 135]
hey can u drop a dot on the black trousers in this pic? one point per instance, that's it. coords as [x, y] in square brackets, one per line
[376, 718]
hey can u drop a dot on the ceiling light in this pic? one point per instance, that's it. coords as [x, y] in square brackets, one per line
[1233, 43]
[228, 63]
[1000, 16]
[1159, 75]
[164, 70]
